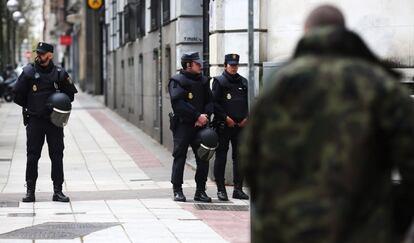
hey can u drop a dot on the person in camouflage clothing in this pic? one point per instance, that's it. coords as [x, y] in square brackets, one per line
[322, 142]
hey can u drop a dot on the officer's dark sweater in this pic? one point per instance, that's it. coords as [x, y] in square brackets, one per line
[235, 106]
[182, 95]
[26, 80]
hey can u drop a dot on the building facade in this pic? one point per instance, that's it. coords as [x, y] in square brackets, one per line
[386, 26]
[144, 42]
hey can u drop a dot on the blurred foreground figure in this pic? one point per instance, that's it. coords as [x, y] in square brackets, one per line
[322, 143]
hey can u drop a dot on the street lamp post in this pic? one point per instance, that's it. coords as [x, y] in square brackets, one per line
[2, 51]
[21, 21]
[251, 88]
[17, 16]
[9, 33]
[12, 6]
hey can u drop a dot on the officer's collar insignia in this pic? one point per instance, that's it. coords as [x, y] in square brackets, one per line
[34, 87]
[37, 75]
[190, 96]
[229, 96]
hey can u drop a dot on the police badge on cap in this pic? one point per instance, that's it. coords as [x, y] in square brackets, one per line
[43, 47]
[232, 59]
[192, 57]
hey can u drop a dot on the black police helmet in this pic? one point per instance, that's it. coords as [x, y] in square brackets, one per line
[208, 143]
[60, 101]
[208, 137]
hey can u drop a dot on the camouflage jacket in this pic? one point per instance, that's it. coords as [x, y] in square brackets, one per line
[321, 145]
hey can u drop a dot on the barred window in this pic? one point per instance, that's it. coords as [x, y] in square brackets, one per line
[165, 11]
[140, 12]
[129, 22]
[155, 14]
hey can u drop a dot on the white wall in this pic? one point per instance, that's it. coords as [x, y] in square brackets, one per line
[228, 28]
[387, 26]
[189, 30]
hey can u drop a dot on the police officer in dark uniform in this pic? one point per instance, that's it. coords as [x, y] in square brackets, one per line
[192, 104]
[230, 114]
[39, 81]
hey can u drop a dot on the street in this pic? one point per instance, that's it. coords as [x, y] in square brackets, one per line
[118, 179]
[206, 121]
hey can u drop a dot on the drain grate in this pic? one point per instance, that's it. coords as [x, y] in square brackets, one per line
[21, 214]
[219, 207]
[56, 230]
[9, 204]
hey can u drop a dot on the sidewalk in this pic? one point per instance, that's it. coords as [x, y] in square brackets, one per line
[114, 173]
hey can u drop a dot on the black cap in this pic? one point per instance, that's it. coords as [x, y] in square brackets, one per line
[43, 47]
[193, 57]
[232, 59]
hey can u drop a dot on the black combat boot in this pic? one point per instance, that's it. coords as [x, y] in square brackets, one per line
[238, 192]
[178, 194]
[30, 192]
[221, 191]
[201, 195]
[58, 195]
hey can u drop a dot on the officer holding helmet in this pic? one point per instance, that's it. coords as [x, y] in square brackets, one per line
[192, 104]
[230, 112]
[44, 91]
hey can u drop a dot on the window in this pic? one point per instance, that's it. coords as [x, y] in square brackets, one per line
[126, 23]
[121, 28]
[165, 11]
[114, 28]
[140, 12]
[129, 22]
[155, 14]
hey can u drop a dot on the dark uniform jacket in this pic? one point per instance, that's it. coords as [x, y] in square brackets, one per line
[230, 97]
[37, 83]
[321, 144]
[190, 96]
